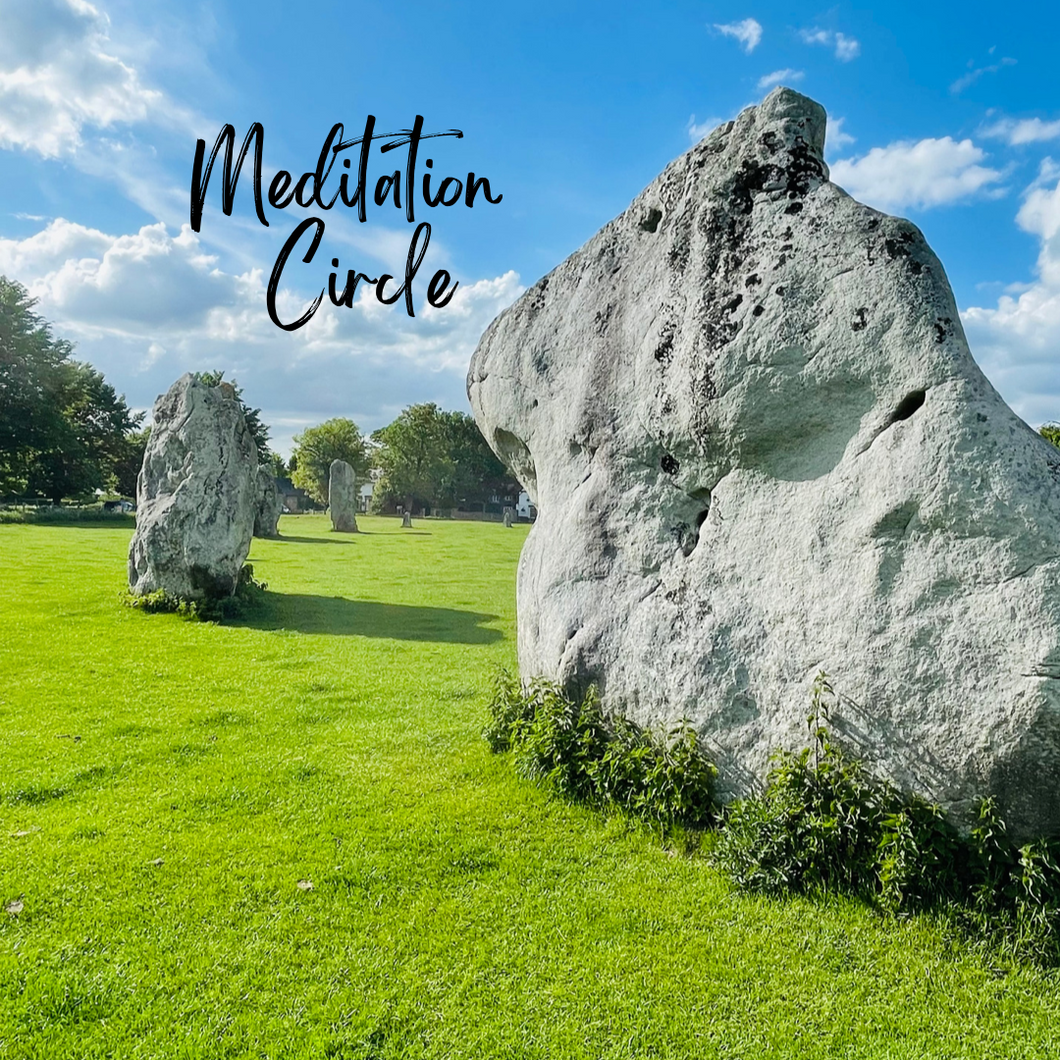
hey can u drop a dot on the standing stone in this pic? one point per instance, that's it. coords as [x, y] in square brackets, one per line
[406, 520]
[508, 517]
[342, 497]
[270, 505]
[759, 448]
[196, 494]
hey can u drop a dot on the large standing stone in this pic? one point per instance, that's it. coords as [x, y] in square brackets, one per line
[342, 497]
[196, 494]
[270, 505]
[760, 447]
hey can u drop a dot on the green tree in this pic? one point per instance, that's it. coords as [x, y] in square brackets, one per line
[252, 417]
[30, 359]
[128, 465]
[413, 455]
[477, 472]
[62, 426]
[315, 449]
[1051, 432]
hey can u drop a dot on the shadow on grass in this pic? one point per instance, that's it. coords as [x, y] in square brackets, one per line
[304, 613]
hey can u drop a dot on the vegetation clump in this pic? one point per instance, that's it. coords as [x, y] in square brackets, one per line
[585, 754]
[247, 597]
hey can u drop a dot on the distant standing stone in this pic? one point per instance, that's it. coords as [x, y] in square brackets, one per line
[406, 519]
[270, 505]
[196, 494]
[508, 521]
[342, 497]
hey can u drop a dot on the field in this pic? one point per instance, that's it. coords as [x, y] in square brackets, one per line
[284, 837]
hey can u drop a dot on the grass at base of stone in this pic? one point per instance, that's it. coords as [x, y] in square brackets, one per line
[285, 837]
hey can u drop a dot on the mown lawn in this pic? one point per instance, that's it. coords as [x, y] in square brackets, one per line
[285, 838]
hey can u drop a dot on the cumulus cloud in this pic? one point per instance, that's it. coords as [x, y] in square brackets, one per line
[748, 33]
[846, 48]
[1017, 342]
[1023, 131]
[58, 75]
[930, 172]
[835, 139]
[146, 307]
[778, 77]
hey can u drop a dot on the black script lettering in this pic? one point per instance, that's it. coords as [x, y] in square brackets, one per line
[352, 279]
[473, 185]
[411, 267]
[436, 288]
[199, 182]
[277, 272]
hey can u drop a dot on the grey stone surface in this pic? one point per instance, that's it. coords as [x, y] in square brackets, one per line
[342, 497]
[196, 494]
[269, 507]
[759, 447]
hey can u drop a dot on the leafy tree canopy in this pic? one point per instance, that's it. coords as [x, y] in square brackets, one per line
[317, 447]
[62, 426]
[428, 456]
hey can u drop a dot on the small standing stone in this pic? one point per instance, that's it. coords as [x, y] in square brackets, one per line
[406, 520]
[508, 520]
[342, 497]
[270, 505]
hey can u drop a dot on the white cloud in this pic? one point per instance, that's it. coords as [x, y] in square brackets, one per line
[778, 77]
[1024, 131]
[1017, 342]
[148, 306]
[748, 32]
[835, 138]
[927, 173]
[58, 75]
[846, 48]
[974, 73]
[697, 130]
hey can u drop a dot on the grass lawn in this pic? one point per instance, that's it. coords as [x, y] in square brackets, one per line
[285, 838]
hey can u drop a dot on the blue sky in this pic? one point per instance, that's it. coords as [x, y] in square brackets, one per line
[946, 113]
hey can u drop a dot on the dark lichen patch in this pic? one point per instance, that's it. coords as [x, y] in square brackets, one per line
[758, 310]
[793, 208]
[753, 280]
[861, 319]
[733, 304]
[942, 329]
[669, 464]
[651, 222]
[665, 348]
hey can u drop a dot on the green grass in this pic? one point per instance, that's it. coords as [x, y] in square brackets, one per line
[165, 785]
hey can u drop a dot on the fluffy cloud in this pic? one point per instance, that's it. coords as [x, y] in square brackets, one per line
[927, 173]
[748, 33]
[148, 306]
[778, 77]
[58, 74]
[1018, 341]
[1025, 131]
[846, 48]
[835, 139]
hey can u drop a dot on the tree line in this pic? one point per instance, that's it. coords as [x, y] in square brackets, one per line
[65, 432]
